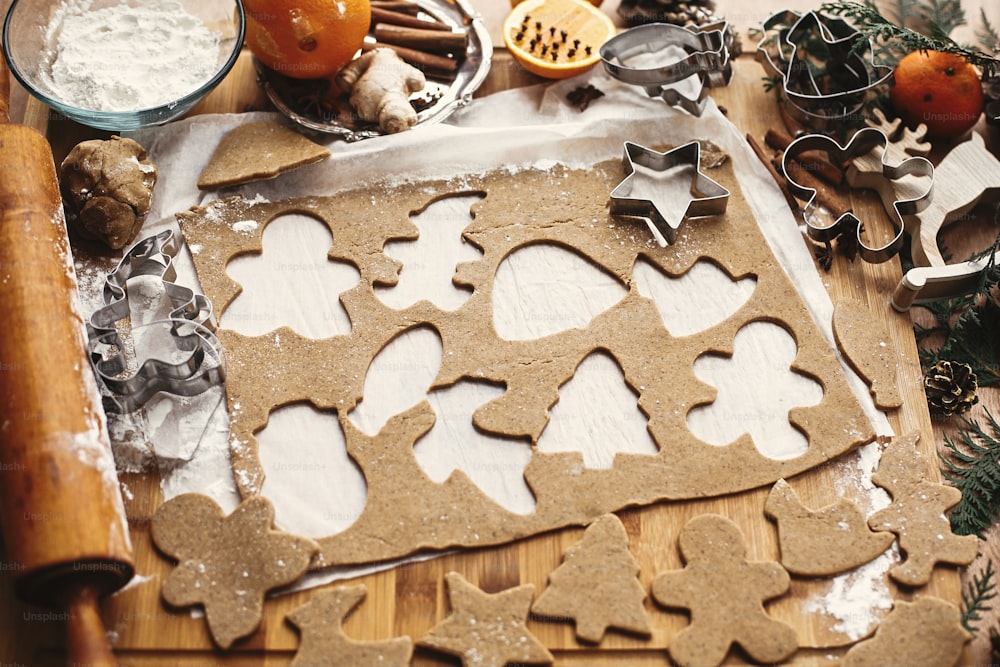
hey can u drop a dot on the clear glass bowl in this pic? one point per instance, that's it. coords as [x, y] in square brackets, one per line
[28, 54]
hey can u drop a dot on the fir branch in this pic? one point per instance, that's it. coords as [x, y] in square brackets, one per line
[874, 27]
[976, 597]
[974, 469]
[969, 324]
[987, 35]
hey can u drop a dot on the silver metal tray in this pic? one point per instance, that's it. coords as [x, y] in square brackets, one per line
[435, 102]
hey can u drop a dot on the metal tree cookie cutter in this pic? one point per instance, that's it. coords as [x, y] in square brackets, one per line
[707, 57]
[846, 79]
[190, 324]
[863, 142]
[705, 196]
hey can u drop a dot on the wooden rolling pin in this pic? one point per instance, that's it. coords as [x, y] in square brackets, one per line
[61, 508]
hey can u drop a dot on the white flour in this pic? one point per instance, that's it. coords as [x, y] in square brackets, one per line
[124, 58]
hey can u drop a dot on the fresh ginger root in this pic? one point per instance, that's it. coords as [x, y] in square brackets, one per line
[380, 84]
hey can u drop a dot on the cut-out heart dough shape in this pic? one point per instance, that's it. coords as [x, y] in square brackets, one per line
[656, 365]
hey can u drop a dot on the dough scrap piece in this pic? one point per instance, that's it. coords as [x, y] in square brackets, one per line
[866, 345]
[487, 630]
[917, 514]
[924, 633]
[822, 542]
[320, 622]
[107, 187]
[597, 584]
[725, 594]
[255, 151]
[226, 563]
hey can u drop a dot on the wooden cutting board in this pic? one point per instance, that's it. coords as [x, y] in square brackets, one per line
[410, 599]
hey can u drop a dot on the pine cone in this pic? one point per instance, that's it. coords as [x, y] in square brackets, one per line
[950, 387]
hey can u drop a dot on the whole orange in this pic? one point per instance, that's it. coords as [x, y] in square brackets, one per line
[941, 90]
[306, 39]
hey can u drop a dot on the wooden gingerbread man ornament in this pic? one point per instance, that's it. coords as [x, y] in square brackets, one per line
[725, 594]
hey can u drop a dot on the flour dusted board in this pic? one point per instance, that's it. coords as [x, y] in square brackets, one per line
[405, 511]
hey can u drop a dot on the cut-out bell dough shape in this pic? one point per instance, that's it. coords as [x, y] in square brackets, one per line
[661, 188]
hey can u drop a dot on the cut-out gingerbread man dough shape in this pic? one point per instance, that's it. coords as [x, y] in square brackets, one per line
[917, 514]
[725, 594]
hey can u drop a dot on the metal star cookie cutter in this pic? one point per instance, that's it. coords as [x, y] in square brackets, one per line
[924, 284]
[706, 197]
[863, 142]
[708, 58]
[190, 324]
[847, 76]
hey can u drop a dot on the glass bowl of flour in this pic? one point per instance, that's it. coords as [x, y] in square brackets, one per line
[122, 64]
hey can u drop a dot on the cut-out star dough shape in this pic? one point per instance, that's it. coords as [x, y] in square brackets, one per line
[639, 194]
[917, 514]
[924, 633]
[226, 563]
[597, 584]
[825, 541]
[487, 630]
[725, 594]
[323, 640]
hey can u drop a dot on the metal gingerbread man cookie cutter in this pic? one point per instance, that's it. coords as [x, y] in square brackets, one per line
[848, 77]
[189, 322]
[705, 196]
[707, 57]
[863, 142]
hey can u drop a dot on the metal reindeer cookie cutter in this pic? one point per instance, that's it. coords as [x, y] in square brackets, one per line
[923, 284]
[863, 142]
[707, 57]
[190, 324]
[847, 77]
[705, 196]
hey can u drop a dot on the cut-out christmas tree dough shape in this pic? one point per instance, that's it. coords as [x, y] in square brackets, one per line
[864, 340]
[725, 594]
[320, 622]
[487, 630]
[331, 373]
[822, 542]
[597, 585]
[917, 514]
[255, 151]
[226, 563]
[925, 633]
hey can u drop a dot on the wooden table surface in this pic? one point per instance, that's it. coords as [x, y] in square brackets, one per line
[409, 599]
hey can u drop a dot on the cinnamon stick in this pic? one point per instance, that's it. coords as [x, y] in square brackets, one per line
[829, 198]
[778, 178]
[399, 18]
[812, 160]
[433, 41]
[401, 6]
[428, 62]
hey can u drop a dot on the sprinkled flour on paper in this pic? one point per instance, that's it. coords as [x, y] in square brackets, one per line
[124, 58]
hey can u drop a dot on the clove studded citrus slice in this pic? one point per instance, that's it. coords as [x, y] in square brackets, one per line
[557, 39]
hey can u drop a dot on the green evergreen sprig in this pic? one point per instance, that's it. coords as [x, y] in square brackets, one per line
[874, 27]
[974, 469]
[968, 325]
[976, 597]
